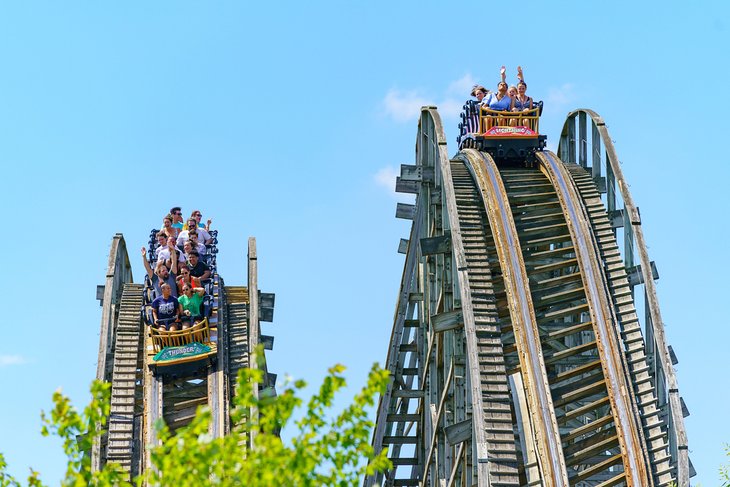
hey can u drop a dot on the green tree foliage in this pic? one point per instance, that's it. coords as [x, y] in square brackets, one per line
[725, 470]
[328, 449]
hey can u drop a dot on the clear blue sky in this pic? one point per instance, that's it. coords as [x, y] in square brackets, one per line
[287, 121]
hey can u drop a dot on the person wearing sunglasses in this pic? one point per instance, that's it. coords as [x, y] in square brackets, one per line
[186, 279]
[177, 218]
[197, 216]
[189, 305]
[203, 235]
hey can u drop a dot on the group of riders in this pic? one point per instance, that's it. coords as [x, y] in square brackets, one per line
[179, 276]
[506, 98]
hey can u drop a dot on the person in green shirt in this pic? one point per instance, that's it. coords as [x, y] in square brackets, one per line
[190, 302]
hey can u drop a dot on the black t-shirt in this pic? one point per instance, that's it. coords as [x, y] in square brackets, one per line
[198, 270]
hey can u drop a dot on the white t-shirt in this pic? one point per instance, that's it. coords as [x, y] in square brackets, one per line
[203, 236]
[163, 253]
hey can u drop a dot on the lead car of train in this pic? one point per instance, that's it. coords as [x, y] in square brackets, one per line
[506, 136]
[182, 353]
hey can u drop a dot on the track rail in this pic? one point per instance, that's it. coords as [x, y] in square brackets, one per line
[522, 317]
[635, 356]
[575, 142]
[478, 292]
[516, 314]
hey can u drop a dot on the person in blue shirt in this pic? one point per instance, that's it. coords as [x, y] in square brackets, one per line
[165, 309]
[499, 100]
[177, 219]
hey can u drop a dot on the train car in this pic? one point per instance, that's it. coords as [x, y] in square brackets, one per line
[507, 136]
[183, 353]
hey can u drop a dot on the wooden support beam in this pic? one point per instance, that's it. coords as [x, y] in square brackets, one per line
[673, 355]
[268, 342]
[459, 432]
[408, 393]
[266, 314]
[416, 173]
[636, 277]
[410, 187]
[436, 245]
[450, 320]
[253, 324]
[399, 440]
[600, 183]
[408, 417]
[405, 211]
[412, 297]
[685, 409]
[635, 216]
[617, 218]
[267, 300]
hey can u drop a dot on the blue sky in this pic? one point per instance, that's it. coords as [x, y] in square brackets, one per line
[287, 122]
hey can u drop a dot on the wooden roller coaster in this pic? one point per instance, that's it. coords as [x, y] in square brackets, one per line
[528, 347]
[140, 397]
[517, 354]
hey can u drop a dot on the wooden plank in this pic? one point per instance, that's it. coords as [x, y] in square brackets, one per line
[405, 211]
[408, 393]
[436, 245]
[450, 320]
[267, 300]
[409, 187]
[268, 342]
[459, 432]
[416, 173]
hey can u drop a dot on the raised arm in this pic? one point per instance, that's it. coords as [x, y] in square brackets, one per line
[146, 263]
[173, 256]
[503, 74]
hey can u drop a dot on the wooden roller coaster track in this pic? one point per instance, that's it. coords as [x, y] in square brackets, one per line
[517, 355]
